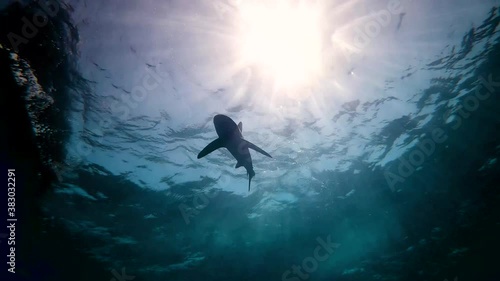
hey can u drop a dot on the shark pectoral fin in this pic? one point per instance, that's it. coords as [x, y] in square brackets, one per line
[258, 149]
[240, 126]
[238, 165]
[211, 147]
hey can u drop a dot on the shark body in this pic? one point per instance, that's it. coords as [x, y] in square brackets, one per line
[230, 137]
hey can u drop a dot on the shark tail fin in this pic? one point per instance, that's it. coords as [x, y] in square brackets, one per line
[251, 174]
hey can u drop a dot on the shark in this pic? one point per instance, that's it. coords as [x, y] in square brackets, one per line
[230, 137]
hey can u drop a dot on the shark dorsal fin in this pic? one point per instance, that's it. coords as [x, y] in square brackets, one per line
[240, 126]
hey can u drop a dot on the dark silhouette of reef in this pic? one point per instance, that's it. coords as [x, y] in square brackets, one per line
[38, 78]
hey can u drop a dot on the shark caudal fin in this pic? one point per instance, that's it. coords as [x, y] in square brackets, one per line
[256, 148]
[251, 174]
[218, 143]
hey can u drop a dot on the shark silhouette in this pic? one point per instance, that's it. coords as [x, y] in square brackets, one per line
[231, 138]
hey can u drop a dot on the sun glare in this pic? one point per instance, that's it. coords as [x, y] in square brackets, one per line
[283, 41]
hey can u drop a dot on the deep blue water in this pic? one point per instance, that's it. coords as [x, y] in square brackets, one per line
[385, 161]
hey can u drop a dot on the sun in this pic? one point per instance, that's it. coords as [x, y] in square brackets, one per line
[283, 41]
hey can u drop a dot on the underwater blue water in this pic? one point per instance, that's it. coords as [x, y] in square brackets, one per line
[385, 166]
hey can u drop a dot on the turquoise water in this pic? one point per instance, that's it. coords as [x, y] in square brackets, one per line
[382, 120]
